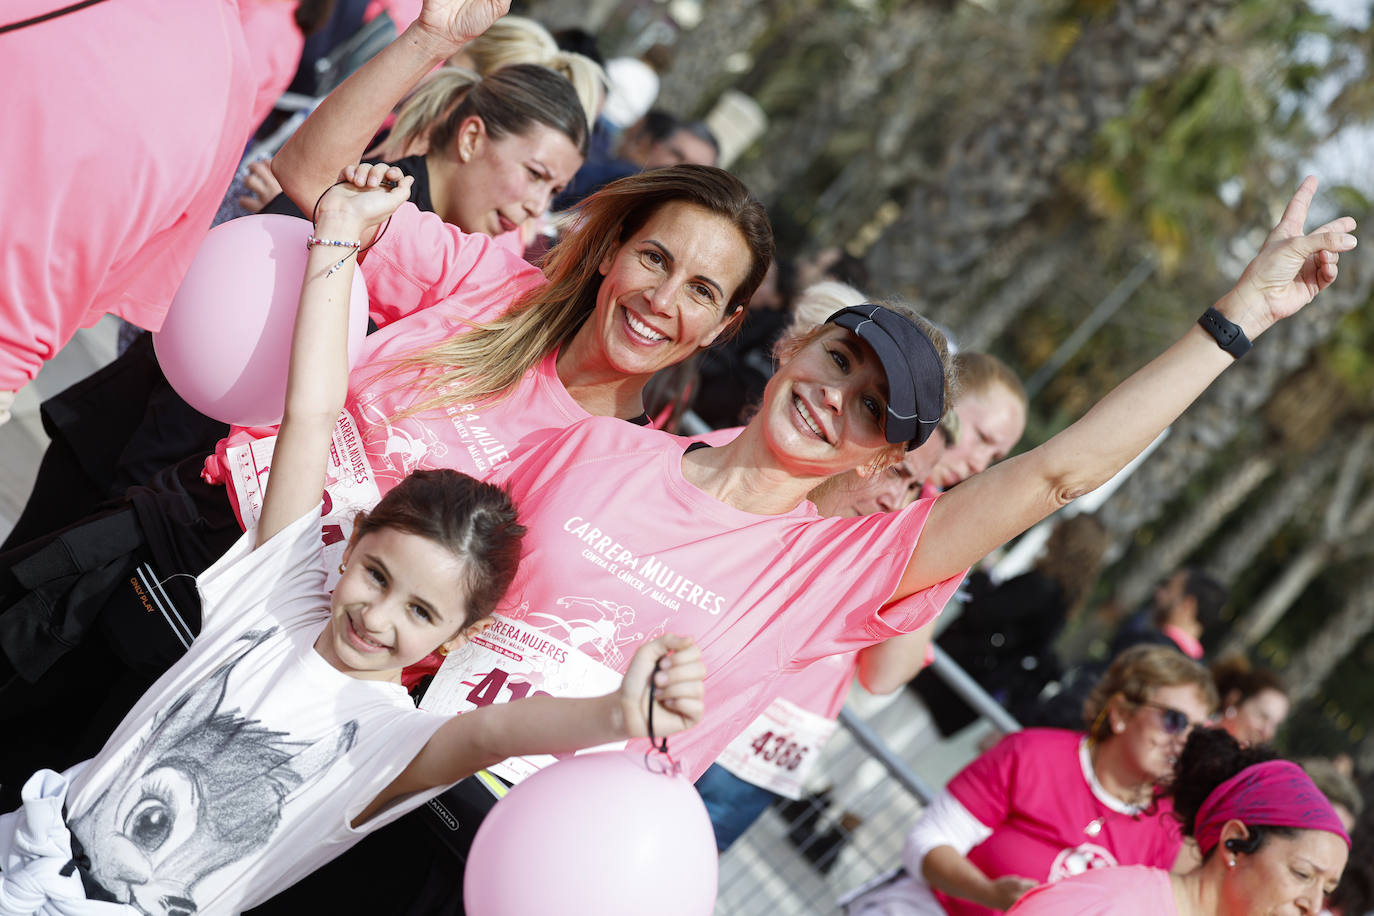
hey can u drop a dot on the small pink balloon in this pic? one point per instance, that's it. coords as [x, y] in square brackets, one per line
[226, 342]
[595, 835]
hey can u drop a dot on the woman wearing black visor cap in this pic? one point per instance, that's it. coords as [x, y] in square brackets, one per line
[634, 531]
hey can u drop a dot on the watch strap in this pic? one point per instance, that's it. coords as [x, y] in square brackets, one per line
[1227, 334]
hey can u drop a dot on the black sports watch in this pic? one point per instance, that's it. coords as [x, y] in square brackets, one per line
[1227, 333]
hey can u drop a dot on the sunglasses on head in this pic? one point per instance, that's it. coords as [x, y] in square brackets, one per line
[1174, 721]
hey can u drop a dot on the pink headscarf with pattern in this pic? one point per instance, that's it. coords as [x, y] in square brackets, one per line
[1276, 793]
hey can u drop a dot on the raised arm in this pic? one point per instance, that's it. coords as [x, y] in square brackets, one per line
[549, 725]
[886, 666]
[337, 133]
[317, 379]
[990, 508]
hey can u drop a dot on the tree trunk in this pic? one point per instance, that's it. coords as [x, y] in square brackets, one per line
[1172, 548]
[1257, 527]
[696, 74]
[1341, 634]
[1278, 597]
[978, 329]
[1216, 417]
[992, 177]
[793, 144]
[1343, 525]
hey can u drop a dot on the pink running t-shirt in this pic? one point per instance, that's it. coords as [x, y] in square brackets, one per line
[1131, 890]
[1047, 819]
[123, 124]
[427, 281]
[621, 548]
[778, 750]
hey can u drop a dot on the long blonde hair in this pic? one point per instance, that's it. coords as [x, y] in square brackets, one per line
[485, 363]
[518, 40]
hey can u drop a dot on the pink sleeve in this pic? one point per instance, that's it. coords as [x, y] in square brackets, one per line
[985, 786]
[422, 260]
[109, 207]
[274, 44]
[880, 544]
[402, 12]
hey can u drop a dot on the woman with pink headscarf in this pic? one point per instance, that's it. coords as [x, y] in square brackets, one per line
[1270, 843]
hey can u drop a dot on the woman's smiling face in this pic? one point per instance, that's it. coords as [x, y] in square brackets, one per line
[825, 407]
[666, 289]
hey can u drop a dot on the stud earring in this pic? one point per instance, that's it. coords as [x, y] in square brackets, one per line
[1118, 727]
[341, 569]
[1230, 863]
[443, 650]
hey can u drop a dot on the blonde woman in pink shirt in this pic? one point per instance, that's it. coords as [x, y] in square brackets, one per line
[631, 532]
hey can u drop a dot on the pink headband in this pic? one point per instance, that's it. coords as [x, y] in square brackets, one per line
[1276, 793]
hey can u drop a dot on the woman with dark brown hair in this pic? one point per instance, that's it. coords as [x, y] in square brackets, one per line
[1254, 701]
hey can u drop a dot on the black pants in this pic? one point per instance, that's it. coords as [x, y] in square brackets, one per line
[415, 865]
[115, 429]
[91, 615]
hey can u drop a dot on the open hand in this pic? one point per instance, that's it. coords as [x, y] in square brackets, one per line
[456, 22]
[262, 186]
[1291, 267]
[674, 663]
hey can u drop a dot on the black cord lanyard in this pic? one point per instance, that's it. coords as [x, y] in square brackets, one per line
[356, 252]
[660, 744]
[44, 17]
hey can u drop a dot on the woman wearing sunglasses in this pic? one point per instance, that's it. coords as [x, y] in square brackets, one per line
[1270, 842]
[1045, 804]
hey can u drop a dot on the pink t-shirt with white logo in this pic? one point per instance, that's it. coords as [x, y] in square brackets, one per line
[621, 548]
[1035, 791]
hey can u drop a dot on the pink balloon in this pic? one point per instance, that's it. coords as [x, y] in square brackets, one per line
[227, 339]
[595, 834]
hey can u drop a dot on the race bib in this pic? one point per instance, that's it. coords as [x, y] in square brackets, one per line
[511, 660]
[779, 748]
[349, 486]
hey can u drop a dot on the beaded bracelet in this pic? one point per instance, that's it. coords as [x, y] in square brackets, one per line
[354, 248]
[312, 242]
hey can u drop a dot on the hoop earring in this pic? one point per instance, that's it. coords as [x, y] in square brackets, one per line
[341, 569]
[443, 650]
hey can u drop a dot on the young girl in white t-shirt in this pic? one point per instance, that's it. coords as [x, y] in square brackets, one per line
[284, 735]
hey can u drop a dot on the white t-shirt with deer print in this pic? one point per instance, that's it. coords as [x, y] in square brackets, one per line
[239, 771]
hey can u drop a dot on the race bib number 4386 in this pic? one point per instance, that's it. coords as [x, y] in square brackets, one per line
[777, 751]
